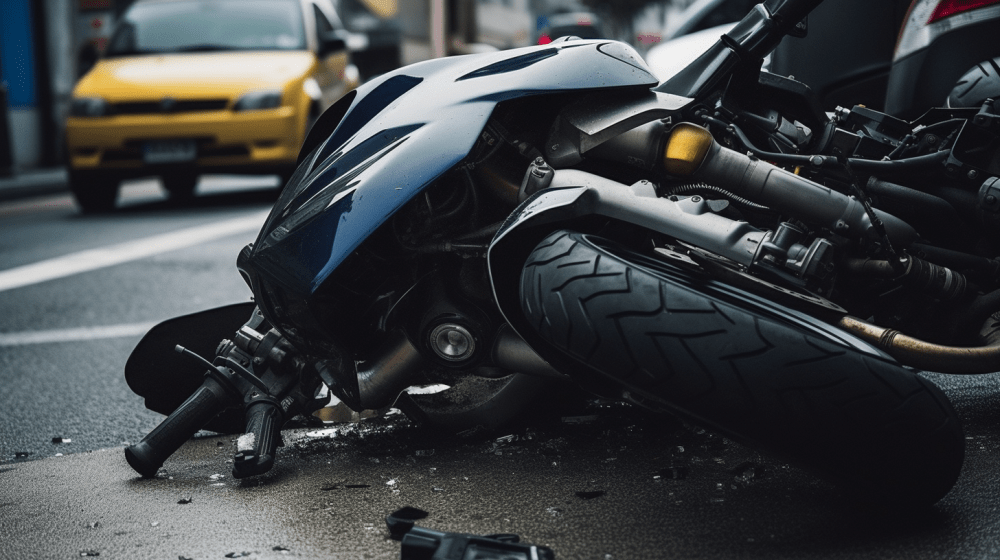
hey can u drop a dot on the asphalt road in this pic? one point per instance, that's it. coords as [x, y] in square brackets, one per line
[604, 482]
[65, 334]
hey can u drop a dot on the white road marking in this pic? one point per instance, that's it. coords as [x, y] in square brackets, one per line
[102, 257]
[74, 335]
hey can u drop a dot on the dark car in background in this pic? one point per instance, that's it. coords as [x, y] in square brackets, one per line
[376, 42]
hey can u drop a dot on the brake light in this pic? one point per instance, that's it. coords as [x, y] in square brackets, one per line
[947, 8]
[545, 39]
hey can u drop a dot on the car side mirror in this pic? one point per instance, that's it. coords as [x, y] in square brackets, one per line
[331, 42]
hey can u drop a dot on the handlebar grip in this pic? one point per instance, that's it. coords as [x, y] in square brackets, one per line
[147, 456]
[256, 452]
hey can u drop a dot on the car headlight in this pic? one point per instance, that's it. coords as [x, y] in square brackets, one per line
[258, 100]
[89, 107]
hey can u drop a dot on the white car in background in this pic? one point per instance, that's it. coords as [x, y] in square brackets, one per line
[666, 59]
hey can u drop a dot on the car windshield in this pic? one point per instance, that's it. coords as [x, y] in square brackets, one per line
[209, 25]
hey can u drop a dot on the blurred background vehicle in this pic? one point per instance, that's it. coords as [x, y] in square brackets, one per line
[940, 41]
[584, 25]
[376, 44]
[704, 14]
[900, 57]
[196, 86]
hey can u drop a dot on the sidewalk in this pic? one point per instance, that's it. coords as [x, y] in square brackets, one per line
[34, 182]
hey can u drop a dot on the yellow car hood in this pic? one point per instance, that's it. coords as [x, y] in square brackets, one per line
[193, 75]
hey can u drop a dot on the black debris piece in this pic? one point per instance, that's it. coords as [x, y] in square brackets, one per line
[59, 439]
[184, 501]
[419, 543]
[747, 473]
[237, 554]
[401, 521]
[280, 548]
[588, 419]
[676, 472]
[89, 553]
[357, 486]
[590, 495]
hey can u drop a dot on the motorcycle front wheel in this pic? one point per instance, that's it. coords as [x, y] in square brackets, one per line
[756, 376]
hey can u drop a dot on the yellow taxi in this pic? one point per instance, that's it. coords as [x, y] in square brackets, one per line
[203, 86]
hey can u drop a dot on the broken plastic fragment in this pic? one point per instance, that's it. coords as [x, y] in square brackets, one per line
[391, 482]
[89, 553]
[216, 476]
[436, 489]
[184, 501]
[324, 433]
[58, 439]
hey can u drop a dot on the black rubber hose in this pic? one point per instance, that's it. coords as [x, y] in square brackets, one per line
[868, 165]
[700, 187]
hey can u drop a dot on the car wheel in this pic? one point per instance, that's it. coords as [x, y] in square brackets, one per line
[181, 185]
[94, 191]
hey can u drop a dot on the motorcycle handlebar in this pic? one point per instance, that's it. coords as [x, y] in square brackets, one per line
[256, 453]
[147, 456]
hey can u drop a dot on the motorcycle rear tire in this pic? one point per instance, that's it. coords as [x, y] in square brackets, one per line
[756, 377]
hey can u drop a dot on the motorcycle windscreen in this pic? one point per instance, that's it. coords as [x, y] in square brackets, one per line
[402, 132]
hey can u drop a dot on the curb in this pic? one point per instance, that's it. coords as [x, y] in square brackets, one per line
[34, 184]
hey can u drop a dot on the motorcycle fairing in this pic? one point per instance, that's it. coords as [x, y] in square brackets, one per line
[382, 154]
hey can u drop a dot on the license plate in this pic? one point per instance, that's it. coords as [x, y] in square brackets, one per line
[169, 151]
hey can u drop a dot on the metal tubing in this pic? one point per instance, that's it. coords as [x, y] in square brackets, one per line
[786, 192]
[925, 355]
[512, 353]
[381, 379]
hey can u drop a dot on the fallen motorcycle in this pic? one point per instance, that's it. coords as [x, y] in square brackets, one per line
[716, 246]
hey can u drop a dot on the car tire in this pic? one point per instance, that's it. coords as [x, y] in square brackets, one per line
[94, 191]
[181, 185]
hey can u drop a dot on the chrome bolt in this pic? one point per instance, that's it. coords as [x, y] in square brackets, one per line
[452, 342]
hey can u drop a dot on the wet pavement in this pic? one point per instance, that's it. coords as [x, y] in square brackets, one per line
[605, 482]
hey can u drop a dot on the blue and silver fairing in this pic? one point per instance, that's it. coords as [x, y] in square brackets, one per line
[400, 133]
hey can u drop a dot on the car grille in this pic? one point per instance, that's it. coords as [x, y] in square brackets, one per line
[168, 106]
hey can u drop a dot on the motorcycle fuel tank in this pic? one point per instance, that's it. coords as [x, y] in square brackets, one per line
[400, 133]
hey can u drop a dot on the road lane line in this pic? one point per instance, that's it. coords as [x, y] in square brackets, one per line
[74, 335]
[93, 259]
